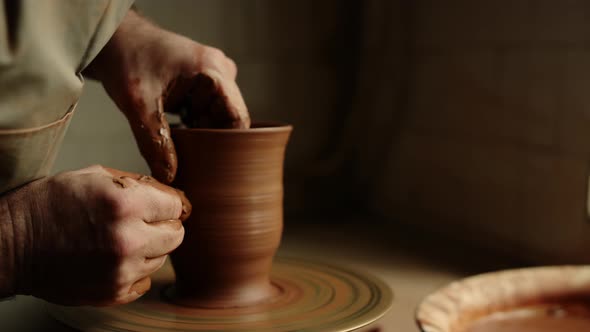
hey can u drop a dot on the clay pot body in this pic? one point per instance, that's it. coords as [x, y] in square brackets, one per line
[234, 180]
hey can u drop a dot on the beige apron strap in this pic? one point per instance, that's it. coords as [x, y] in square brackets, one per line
[28, 154]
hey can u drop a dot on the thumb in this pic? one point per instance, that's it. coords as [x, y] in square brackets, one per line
[152, 134]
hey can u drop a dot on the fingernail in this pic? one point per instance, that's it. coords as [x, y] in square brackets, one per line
[187, 207]
[142, 286]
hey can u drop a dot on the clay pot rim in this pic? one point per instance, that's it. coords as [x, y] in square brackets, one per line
[256, 127]
[461, 302]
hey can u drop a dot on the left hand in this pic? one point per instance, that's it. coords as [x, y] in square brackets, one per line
[148, 71]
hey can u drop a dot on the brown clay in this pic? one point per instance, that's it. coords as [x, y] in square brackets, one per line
[234, 180]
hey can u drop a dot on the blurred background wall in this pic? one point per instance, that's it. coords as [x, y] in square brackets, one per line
[466, 118]
[495, 141]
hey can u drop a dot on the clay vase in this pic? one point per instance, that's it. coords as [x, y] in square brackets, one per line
[234, 179]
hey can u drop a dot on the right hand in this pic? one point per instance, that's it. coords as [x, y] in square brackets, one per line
[147, 70]
[94, 236]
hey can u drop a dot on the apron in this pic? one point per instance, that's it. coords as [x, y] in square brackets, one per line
[44, 46]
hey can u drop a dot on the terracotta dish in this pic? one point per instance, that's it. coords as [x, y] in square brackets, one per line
[542, 299]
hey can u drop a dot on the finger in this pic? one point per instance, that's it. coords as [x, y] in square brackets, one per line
[154, 264]
[186, 204]
[187, 207]
[199, 102]
[152, 133]
[210, 101]
[215, 59]
[135, 291]
[162, 238]
[153, 204]
[139, 288]
[232, 69]
[218, 103]
[231, 101]
[176, 95]
[128, 179]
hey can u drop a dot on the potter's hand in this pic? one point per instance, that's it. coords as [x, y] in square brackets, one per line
[147, 70]
[91, 236]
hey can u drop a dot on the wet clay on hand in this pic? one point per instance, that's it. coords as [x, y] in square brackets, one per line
[203, 101]
[120, 178]
[234, 178]
[206, 100]
[152, 133]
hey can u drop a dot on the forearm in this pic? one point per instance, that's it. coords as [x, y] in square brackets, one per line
[14, 220]
[102, 65]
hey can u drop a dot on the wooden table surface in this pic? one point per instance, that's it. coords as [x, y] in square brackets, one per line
[411, 263]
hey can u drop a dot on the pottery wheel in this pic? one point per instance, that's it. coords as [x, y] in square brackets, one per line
[314, 297]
